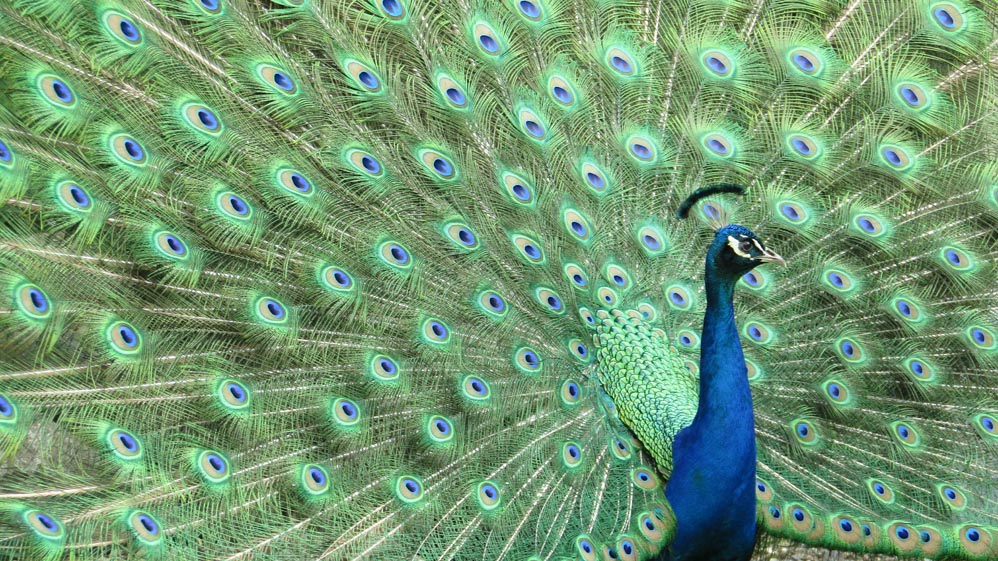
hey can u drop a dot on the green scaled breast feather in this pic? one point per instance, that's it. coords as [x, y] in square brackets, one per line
[402, 279]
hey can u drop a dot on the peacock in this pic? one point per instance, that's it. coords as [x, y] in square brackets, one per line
[512, 280]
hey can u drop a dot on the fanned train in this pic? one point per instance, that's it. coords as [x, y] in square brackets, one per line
[404, 279]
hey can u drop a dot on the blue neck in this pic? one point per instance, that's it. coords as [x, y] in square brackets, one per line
[712, 486]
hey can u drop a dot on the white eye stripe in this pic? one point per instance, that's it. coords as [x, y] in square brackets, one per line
[734, 243]
[758, 245]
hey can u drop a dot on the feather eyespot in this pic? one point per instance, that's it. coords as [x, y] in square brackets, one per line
[487, 493]
[717, 64]
[127, 150]
[642, 149]
[122, 28]
[947, 16]
[124, 445]
[277, 79]
[393, 9]
[528, 248]
[527, 360]
[233, 395]
[475, 388]
[56, 91]
[912, 95]
[32, 301]
[571, 392]
[384, 368]
[530, 10]
[518, 189]
[44, 525]
[587, 317]
[492, 304]
[313, 479]
[651, 240]
[644, 478]
[8, 411]
[336, 279]
[561, 91]
[6, 155]
[294, 183]
[440, 429]
[571, 455]
[363, 76]
[409, 489]
[461, 236]
[594, 178]
[393, 254]
[435, 331]
[233, 206]
[144, 527]
[453, 93]
[123, 338]
[579, 350]
[805, 62]
[487, 39]
[345, 413]
[213, 7]
[213, 467]
[271, 311]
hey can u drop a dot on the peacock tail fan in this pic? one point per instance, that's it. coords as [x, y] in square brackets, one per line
[403, 279]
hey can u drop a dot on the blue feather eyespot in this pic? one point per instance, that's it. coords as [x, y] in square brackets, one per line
[213, 467]
[476, 388]
[981, 337]
[527, 360]
[409, 489]
[775, 512]
[920, 369]
[805, 62]
[687, 339]
[32, 301]
[336, 279]
[905, 434]
[44, 525]
[579, 350]
[642, 149]
[869, 225]
[170, 245]
[363, 76]
[392, 253]
[345, 413]
[957, 259]
[800, 518]
[123, 338]
[644, 478]
[839, 282]
[561, 91]
[144, 527]
[693, 367]
[487, 39]
[313, 480]
[907, 309]
[976, 540]
[276, 78]
[585, 548]
[577, 276]
[847, 530]
[620, 448]
[837, 392]
[364, 162]
[620, 62]
[880, 491]
[595, 179]
[792, 212]
[122, 28]
[571, 392]
[912, 95]
[452, 93]
[233, 206]
[587, 317]
[895, 157]
[519, 189]
[294, 182]
[123, 444]
[805, 432]
[461, 236]
[56, 91]
[627, 549]
[651, 527]
[437, 164]
[571, 454]
[532, 125]
[8, 412]
[763, 492]
[652, 241]
[717, 64]
[393, 9]
[435, 331]
[850, 350]
[679, 297]
[903, 536]
[718, 145]
[127, 150]
[986, 424]
[6, 154]
[233, 395]
[530, 9]
[490, 302]
[576, 225]
[755, 280]
[440, 429]
[383, 368]
[618, 277]
[947, 16]
[528, 248]
[270, 311]
[607, 296]
[211, 6]
[758, 333]
[487, 495]
[954, 498]
[805, 147]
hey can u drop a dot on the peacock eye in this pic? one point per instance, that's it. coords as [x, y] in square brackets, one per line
[745, 246]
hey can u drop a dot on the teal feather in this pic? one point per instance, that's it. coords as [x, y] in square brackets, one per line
[383, 279]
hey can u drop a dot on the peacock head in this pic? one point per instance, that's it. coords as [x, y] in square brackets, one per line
[736, 250]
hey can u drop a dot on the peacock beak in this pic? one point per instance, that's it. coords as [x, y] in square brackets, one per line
[770, 256]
